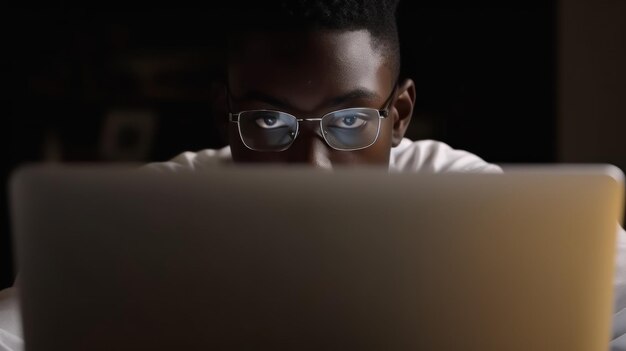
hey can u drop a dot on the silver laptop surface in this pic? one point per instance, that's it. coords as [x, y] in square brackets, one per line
[293, 259]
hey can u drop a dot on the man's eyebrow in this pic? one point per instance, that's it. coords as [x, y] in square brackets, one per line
[356, 94]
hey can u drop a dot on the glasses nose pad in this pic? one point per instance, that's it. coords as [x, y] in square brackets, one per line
[322, 132]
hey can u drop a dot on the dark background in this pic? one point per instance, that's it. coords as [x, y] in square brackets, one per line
[134, 86]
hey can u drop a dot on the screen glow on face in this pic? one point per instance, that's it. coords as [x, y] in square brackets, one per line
[347, 129]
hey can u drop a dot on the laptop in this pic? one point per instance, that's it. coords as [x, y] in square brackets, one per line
[295, 259]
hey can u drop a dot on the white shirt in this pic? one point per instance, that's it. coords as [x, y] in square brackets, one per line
[421, 156]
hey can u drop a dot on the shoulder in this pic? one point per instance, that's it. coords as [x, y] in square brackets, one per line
[436, 157]
[194, 161]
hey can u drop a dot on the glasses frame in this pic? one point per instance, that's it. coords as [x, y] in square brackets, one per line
[382, 114]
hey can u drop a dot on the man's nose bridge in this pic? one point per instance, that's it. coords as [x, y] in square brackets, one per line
[317, 153]
[314, 150]
[311, 125]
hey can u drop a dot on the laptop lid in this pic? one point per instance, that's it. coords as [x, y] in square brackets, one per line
[247, 258]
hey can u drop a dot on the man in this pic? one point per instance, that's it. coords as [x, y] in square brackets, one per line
[319, 84]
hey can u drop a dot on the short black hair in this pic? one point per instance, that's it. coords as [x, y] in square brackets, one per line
[378, 17]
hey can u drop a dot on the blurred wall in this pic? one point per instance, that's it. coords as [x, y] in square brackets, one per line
[592, 81]
[485, 76]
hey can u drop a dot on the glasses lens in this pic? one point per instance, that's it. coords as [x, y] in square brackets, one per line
[351, 129]
[267, 130]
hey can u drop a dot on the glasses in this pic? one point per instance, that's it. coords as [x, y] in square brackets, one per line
[345, 130]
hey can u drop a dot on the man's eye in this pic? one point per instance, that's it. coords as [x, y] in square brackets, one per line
[269, 122]
[349, 122]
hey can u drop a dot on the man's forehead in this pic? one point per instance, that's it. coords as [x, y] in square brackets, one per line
[320, 63]
[294, 43]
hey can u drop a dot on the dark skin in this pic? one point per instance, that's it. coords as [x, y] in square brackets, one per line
[308, 75]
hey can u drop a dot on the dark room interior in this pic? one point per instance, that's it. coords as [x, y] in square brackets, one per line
[513, 83]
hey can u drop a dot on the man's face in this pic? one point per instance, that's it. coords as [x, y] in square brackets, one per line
[309, 75]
